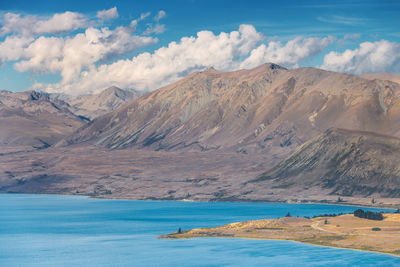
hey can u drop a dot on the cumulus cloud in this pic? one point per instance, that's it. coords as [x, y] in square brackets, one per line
[33, 25]
[72, 54]
[108, 14]
[87, 62]
[370, 57]
[288, 55]
[30, 41]
[167, 64]
[225, 51]
[13, 48]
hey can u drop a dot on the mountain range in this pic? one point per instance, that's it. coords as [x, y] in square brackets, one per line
[33, 120]
[264, 134]
[268, 108]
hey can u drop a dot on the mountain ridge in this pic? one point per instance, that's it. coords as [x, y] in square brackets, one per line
[265, 107]
[264, 134]
[34, 120]
[382, 76]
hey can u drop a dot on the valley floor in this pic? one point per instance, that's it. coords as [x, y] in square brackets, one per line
[157, 175]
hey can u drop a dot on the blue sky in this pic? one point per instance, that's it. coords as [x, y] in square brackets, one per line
[346, 36]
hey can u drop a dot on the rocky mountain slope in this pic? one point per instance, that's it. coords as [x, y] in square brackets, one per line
[355, 166]
[268, 109]
[94, 105]
[383, 76]
[344, 162]
[33, 120]
[216, 136]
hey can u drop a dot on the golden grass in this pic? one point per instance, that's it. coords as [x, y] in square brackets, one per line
[345, 231]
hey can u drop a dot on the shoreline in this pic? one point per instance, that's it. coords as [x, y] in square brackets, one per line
[234, 237]
[343, 203]
[342, 232]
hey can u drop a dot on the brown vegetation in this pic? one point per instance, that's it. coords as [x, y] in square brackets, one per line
[344, 231]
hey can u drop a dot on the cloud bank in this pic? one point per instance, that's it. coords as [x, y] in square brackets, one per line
[243, 48]
[33, 25]
[90, 57]
[370, 57]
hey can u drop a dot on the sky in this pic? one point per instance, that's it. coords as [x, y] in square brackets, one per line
[80, 47]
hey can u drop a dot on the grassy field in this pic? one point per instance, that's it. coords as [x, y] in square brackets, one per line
[344, 231]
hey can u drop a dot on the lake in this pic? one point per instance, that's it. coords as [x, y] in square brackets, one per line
[56, 230]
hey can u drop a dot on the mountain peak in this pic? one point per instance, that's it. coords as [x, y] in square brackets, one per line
[210, 70]
[109, 99]
[113, 90]
[271, 66]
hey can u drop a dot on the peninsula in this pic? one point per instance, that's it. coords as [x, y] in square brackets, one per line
[343, 231]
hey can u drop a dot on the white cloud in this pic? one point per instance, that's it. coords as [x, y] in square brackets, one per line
[225, 51]
[72, 54]
[45, 55]
[288, 55]
[370, 57]
[33, 25]
[13, 48]
[86, 60]
[66, 54]
[108, 14]
[61, 22]
[168, 64]
[161, 14]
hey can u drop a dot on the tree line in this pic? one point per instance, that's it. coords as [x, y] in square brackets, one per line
[370, 215]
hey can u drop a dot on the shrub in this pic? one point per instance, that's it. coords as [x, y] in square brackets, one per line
[368, 215]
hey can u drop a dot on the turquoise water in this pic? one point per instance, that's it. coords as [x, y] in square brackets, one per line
[54, 230]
